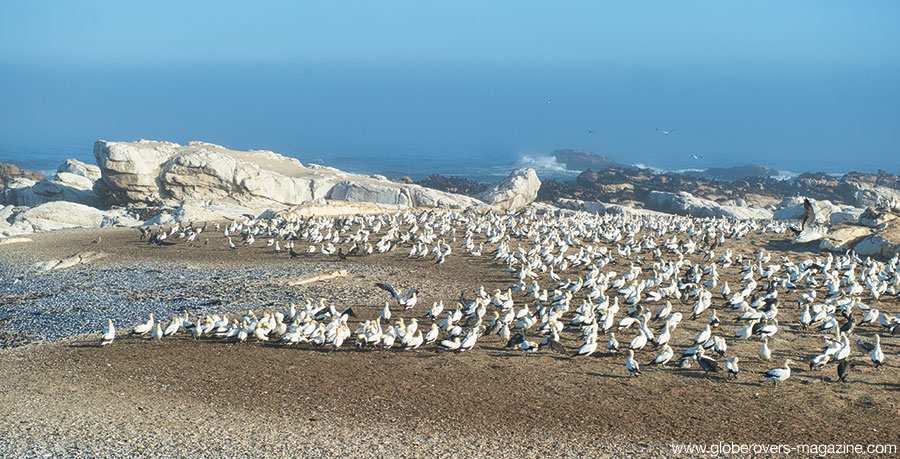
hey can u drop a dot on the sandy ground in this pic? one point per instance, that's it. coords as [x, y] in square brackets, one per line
[180, 397]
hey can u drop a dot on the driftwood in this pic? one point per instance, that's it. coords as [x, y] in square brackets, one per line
[319, 277]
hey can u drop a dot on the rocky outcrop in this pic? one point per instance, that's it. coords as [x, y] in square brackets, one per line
[64, 187]
[74, 182]
[753, 184]
[596, 207]
[832, 214]
[883, 242]
[9, 172]
[165, 173]
[76, 167]
[684, 203]
[866, 195]
[514, 192]
[458, 185]
[845, 237]
[59, 215]
[579, 160]
[201, 211]
[730, 174]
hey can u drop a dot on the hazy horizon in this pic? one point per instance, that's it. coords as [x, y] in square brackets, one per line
[809, 86]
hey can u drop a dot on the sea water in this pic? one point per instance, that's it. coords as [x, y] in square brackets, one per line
[475, 121]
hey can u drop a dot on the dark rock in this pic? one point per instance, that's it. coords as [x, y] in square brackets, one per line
[579, 160]
[730, 174]
[453, 185]
[11, 171]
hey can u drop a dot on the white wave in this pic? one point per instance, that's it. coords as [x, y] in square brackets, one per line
[545, 165]
[787, 175]
[782, 175]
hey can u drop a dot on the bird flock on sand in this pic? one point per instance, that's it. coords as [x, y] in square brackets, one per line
[578, 284]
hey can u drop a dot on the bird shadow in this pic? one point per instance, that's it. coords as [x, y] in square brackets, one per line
[84, 345]
[604, 375]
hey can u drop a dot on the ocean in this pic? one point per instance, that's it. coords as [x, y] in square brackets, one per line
[475, 121]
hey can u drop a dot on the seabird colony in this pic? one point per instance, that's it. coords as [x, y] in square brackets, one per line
[576, 275]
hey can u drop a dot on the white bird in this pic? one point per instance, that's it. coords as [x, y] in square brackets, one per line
[432, 334]
[632, 365]
[731, 366]
[144, 328]
[157, 334]
[450, 344]
[703, 336]
[877, 354]
[612, 345]
[414, 342]
[407, 300]
[173, 326]
[810, 229]
[777, 375]
[589, 347]
[664, 356]
[109, 333]
[764, 351]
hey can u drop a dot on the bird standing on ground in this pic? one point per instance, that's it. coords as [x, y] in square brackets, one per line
[877, 354]
[109, 333]
[843, 370]
[731, 366]
[777, 375]
[144, 328]
[632, 365]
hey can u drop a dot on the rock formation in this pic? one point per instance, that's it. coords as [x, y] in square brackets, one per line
[514, 192]
[684, 203]
[74, 182]
[59, 215]
[9, 172]
[165, 173]
[833, 214]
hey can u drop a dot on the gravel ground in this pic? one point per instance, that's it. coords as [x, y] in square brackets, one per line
[60, 304]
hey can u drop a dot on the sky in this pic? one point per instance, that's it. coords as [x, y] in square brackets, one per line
[802, 85]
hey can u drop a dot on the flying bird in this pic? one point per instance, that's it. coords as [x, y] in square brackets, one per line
[666, 132]
[696, 156]
[407, 300]
[810, 230]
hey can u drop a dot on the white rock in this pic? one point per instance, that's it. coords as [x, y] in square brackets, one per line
[832, 214]
[884, 242]
[597, 207]
[684, 203]
[58, 215]
[27, 192]
[76, 167]
[514, 192]
[844, 238]
[376, 193]
[201, 211]
[167, 173]
[868, 195]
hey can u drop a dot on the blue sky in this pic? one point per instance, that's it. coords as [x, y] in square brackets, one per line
[647, 33]
[796, 85]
